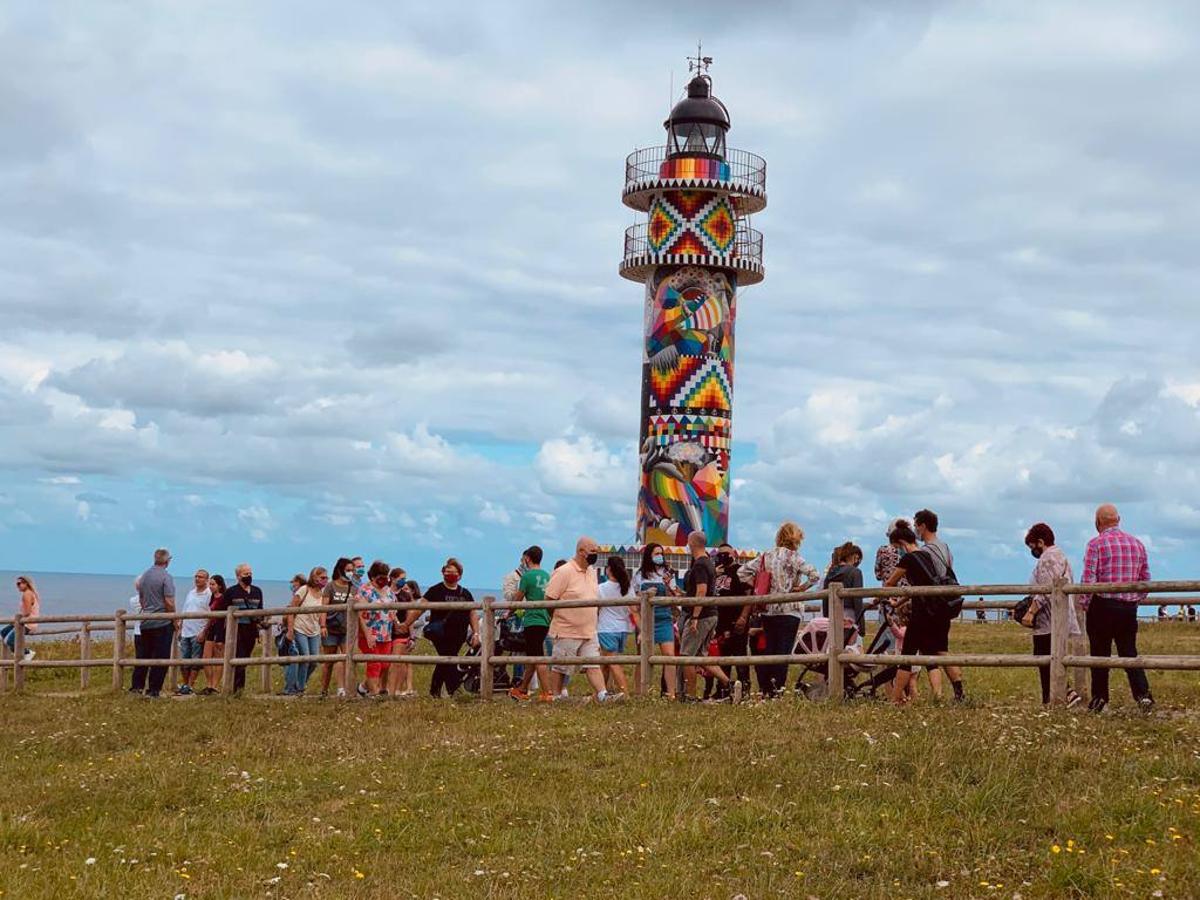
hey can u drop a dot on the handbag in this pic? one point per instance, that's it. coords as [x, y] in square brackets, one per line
[762, 581]
[1026, 611]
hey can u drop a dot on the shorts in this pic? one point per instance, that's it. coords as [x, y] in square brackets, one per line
[696, 643]
[664, 631]
[382, 648]
[612, 641]
[925, 638]
[535, 640]
[191, 648]
[567, 647]
[333, 640]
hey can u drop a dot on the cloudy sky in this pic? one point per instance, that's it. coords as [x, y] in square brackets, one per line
[280, 281]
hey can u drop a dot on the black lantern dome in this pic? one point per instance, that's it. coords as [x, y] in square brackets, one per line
[698, 123]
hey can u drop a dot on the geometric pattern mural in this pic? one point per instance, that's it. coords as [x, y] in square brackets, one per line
[696, 222]
[687, 396]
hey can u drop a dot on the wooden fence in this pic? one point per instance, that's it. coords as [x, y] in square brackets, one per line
[835, 656]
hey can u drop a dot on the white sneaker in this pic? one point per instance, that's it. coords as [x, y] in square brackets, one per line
[737, 691]
[29, 654]
[341, 692]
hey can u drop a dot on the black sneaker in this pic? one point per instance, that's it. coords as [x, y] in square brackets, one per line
[1146, 703]
[1097, 705]
[362, 691]
[1073, 699]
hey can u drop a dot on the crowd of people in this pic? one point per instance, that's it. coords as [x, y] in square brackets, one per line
[579, 638]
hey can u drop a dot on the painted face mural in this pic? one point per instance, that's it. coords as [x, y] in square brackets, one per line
[688, 396]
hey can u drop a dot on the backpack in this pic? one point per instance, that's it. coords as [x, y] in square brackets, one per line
[953, 605]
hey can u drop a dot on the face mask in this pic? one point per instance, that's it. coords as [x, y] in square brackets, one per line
[360, 571]
[658, 559]
[246, 580]
[591, 558]
[1035, 552]
[450, 578]
[724, 559]
[401, 582]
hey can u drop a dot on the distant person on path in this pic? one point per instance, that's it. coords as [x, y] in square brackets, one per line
[339, 590]
[614, 624]
[1113, 557]
[532, 586]
[191, 644]
[305, 630]
[1052, 566]
[658, 578]
[447, 630]
[789, 573]
[697, 624]
[375, 626]
[244, 595]
[926, 522]
[156, 594]
[31, 608]
[574, 630]
[928, 629]
[732, 621]
[213, 633]
[846, 572]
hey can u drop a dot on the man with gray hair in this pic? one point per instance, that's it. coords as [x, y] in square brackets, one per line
[1114, 557]
[156, 594]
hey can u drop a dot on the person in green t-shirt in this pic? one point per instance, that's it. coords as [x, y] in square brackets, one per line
[532, 586]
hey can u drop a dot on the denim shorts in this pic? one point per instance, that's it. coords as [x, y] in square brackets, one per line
[664, 631]
[191, 648]
[612, 641]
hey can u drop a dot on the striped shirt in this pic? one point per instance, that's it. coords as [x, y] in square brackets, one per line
[1113, 557]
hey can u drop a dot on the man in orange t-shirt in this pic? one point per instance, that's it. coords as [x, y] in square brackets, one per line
[573, 630]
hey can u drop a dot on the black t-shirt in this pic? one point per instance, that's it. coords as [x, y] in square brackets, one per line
[455, 619]
[702, 572]
[245, 598]
[925, 610]
[729, 585]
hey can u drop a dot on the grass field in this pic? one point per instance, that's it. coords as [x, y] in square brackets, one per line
[112, 796]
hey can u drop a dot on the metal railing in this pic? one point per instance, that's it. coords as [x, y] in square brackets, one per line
[747, 243]
[744, 167]
[835, 657]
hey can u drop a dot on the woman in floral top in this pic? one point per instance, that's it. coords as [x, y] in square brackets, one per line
[375, 627]
[790, 574]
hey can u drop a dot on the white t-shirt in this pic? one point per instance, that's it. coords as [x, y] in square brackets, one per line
[135, 606]
[614, 619]
[195, 602]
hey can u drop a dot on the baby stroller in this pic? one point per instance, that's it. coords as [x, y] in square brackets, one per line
[510, 637]
[866, 680]
[814, 639]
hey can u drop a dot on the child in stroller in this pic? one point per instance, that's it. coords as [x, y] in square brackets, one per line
[814, 638]
[859, 680]
[509, 637]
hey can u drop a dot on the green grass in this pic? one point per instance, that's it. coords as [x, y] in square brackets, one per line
[244, 797]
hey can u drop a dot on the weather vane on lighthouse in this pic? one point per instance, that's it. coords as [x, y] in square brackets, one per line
[693, 252]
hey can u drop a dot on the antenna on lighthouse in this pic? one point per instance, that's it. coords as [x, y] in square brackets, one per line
[699, 62]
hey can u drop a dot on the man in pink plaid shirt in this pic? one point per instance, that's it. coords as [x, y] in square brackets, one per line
[1114, 557]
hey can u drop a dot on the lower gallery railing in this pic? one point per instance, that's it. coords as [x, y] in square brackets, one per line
[835, 656]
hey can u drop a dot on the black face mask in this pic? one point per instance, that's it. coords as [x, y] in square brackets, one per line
[591, 558]
[1035, 552]
[246, 580]
[724, 559]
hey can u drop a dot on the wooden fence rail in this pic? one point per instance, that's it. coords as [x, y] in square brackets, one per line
[835, 657]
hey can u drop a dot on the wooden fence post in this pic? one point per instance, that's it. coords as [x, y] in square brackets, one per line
[349, 675]
[3, 666]
[645, 642]
[834, 644]
[173, 672]
[18, 653]
[268, 649]
[487, 628]
[1059, 629]
[231, 627]
[85, 653]
[118, 673]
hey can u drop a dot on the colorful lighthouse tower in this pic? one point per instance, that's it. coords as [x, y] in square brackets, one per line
[693, 253]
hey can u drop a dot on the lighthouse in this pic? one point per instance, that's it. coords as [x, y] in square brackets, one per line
[693, 252]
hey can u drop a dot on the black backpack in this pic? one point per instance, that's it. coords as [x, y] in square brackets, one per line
[953, 605]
